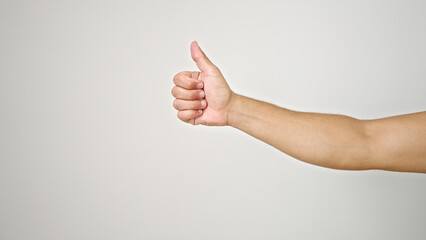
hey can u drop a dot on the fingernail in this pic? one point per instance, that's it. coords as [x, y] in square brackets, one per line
[203, 103]
[201, 94]
[200, 111]
[200, 85]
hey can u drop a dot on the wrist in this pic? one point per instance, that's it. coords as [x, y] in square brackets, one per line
[234, 110]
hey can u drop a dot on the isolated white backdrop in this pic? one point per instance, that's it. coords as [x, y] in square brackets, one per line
[90, 146]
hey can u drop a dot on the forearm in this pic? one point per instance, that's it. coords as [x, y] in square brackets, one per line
[328, 140]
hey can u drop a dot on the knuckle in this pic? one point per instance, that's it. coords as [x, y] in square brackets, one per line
[176, 104]
[190, 84]
[214, 69]
[174, 91]
[176, 78]
[180, 116]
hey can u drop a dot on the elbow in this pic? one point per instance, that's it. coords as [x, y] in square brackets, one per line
[379, 147]
[350, 161]
[357, 153]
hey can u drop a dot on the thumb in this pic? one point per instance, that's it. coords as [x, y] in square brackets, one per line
[203, 63]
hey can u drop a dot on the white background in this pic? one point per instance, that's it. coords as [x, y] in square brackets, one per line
[91, 148]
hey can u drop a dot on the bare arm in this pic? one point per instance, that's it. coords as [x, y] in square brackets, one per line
[336, 141]
[396, 143]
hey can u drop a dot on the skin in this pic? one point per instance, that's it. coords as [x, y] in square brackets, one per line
[396, 143]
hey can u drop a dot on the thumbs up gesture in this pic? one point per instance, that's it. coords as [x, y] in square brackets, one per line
[202, 97]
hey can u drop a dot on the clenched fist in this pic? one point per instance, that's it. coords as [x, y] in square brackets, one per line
[202, 97]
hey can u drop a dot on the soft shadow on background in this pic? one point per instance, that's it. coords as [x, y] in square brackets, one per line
[90, 146]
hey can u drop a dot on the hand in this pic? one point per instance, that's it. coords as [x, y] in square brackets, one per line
[202, 97]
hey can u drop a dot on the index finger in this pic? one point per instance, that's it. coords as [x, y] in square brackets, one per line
[187, 81]
[191, 74]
